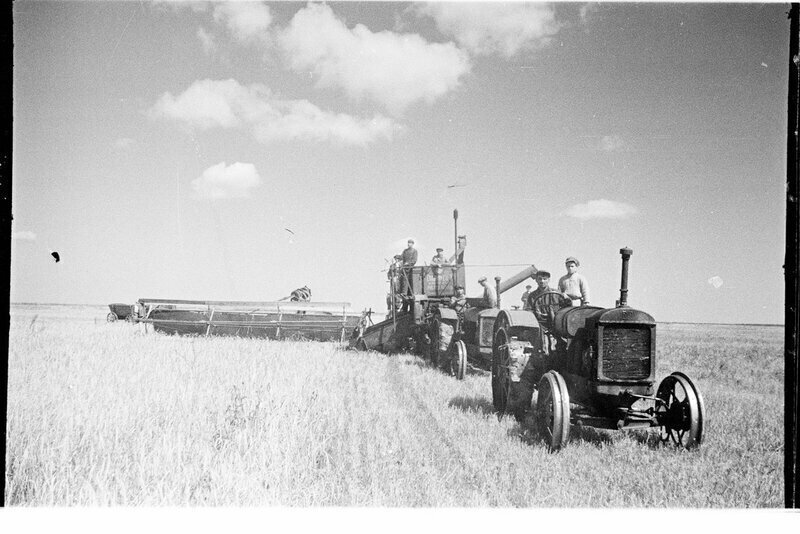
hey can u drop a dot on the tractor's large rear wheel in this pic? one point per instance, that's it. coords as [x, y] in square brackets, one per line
[681, 411]
[501, 379]
[552, 410]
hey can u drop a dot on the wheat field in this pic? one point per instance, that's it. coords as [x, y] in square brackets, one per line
[110, 414]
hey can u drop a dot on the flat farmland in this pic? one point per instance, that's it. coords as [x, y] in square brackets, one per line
[109, 414]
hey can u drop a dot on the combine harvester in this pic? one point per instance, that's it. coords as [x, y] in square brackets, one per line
[430, 327]
[318, 321]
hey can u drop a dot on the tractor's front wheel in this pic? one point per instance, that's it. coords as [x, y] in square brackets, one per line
[458, 360]
[680, 411]
[552, 410]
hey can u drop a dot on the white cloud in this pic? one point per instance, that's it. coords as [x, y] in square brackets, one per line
[391, 68]
[245, 20]
[601, 209]
[24, 235]
[220, 182]
[207, 40]
[205, 104]
[227, 104]
[300, 119]
[612, 143]
[124, 143]
[716, 281]
[494, 27]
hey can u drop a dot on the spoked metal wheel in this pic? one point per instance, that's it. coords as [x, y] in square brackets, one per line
[458, 360]
[680, 411]
[552, 410]
[441, 338]
[434, 335]
[111, 317]
[501, 379]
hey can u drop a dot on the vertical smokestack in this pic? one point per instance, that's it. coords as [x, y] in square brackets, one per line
[455, 234]
[623, 289]
[497, 289]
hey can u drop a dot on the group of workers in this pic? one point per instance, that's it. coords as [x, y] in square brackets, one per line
[573, 286]
[403, 262]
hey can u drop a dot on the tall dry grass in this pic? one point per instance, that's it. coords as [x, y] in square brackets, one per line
[106, 414]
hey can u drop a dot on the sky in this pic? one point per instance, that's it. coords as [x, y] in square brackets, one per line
[239, 150]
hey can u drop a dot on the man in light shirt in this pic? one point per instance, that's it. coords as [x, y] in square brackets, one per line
[489, 294]
[573, 284]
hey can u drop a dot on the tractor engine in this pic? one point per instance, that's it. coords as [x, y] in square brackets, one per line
[610, 350]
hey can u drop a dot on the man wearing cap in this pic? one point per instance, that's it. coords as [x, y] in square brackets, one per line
[458, 302]
[437, 261]
[542, 283]
[573, 284]
[409, 257]
[524, 299]
[489, 294]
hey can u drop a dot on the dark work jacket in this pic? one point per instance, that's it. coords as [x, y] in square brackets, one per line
[409, 257]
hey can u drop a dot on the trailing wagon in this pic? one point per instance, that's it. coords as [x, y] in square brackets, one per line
[121, 311]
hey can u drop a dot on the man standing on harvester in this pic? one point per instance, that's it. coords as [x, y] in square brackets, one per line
[437, 261]
[573, 284]
[409, 257]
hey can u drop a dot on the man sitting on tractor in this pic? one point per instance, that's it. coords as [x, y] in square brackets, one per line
[573, 284]
[458, 302]
[544, 303]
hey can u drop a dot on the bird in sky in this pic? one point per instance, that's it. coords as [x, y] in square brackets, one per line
[456, 185]
[56, 256]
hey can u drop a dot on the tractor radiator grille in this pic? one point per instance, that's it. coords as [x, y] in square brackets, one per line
[626, 352]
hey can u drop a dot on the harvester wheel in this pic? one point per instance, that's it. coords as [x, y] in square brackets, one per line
[500, 376]
[458, 360]
[552, 410]
[111, 317]
[680, 411]
[441, 338]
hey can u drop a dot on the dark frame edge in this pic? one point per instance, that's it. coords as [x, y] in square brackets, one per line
[792, 302]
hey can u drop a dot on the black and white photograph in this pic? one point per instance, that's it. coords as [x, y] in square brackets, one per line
[398, 255]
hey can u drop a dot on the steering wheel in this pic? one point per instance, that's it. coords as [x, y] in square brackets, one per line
[545, 306]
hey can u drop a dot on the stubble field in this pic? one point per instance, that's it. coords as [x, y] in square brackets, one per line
[108, 414]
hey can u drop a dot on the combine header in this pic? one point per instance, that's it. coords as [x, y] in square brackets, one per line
[319, 321]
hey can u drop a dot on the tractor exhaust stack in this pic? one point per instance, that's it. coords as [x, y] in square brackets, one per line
[623, 290]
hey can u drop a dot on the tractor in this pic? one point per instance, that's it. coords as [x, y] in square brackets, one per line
[587, 365]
